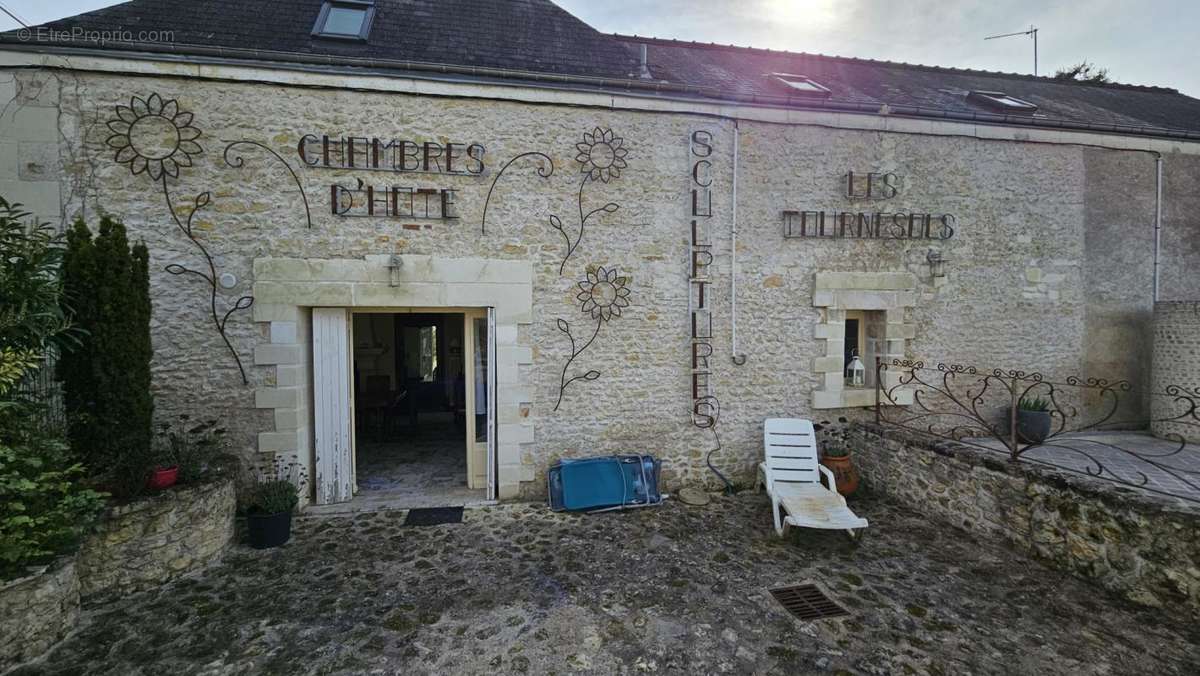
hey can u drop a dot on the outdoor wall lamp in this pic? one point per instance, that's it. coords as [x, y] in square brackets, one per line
[394, 264]
[937, 264]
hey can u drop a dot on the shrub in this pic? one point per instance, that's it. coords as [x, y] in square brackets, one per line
[106, 380]
[43, 510]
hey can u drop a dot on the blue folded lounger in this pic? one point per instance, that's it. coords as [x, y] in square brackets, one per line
[609, 482]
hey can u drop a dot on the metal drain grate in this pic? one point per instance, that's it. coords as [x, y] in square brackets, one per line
[807, 602]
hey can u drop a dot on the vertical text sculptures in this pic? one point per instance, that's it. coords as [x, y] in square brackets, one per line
[705, 409]
[704, 404]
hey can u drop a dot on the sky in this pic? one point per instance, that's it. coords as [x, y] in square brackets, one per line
[1148, 42]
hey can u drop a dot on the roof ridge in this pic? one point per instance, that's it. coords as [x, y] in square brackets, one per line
[901, 64]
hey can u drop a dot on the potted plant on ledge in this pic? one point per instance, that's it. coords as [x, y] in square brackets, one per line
[163, 470]
[1033, 419]
[272, 498]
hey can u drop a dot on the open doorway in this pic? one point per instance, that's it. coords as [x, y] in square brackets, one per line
[418, 380]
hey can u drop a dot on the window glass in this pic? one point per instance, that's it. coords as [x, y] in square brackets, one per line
[429, 352]
[853, 347]
[802, 85]
[344, 20]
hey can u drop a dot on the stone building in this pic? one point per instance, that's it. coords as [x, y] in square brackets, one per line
[434, 245]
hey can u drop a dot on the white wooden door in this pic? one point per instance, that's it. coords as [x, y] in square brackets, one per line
[332, 405]
[492, 370]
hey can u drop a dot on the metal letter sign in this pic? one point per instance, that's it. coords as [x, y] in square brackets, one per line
[871, 224]
[705, 408]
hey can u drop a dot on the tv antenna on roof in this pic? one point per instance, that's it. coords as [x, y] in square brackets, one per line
[1032, 32]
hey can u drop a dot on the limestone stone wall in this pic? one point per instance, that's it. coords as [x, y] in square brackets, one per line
[1146, 548]
[1176, 369]
[146, 543]
[37, 611]
[1180, 258]
[1015, 294]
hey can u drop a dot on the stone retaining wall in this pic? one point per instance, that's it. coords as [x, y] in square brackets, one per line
[1144, 547]
[144, 544]
[37, 611]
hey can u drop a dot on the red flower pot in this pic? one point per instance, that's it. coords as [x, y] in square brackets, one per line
[162, 477]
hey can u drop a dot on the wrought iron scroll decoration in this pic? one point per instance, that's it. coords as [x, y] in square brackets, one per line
[210, 277]
[602, 294]
[951, 405]
[237, 161]
[153, 136]
[601, 157]
[542, 171]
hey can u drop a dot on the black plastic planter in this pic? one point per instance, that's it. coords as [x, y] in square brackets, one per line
[269, 530]
[1033, 426]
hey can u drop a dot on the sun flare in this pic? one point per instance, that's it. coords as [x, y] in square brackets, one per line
[809, 13]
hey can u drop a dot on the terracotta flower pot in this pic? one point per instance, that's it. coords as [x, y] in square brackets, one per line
[844, 472]
[268, 530]
[163, 477]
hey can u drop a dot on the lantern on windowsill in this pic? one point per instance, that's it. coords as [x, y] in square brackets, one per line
[856, 373]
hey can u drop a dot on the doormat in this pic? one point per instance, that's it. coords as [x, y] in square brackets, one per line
[433, 516]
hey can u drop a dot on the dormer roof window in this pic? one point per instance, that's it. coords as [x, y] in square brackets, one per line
[800, 84]
[1001, 101]
[345, 19]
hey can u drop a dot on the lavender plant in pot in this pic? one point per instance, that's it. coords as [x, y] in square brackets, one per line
[272, 497]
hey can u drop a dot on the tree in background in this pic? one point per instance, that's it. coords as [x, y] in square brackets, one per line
[1083, 71]
[106, 382]
[44, 510]
[32, 320]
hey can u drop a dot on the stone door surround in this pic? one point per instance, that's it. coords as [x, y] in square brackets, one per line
[839, 292]
[286, 289]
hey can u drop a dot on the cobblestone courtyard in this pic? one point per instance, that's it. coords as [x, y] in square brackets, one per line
[677, 589]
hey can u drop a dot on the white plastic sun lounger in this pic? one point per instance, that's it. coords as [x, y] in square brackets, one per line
[792, 476]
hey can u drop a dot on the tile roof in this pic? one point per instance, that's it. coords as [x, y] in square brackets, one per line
[532, 35]
[744, 71]
[537, 37]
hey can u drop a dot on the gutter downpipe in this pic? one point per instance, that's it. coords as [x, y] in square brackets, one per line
[738, 358]
[1158, 193]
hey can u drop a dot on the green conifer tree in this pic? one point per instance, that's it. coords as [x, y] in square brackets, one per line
[106, 382]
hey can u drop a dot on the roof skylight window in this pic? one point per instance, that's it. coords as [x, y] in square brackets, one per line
[345, 19]
[801, 84]
[1001, 101]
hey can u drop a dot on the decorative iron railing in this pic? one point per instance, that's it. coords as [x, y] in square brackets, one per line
[1088, 426]
[43, 390]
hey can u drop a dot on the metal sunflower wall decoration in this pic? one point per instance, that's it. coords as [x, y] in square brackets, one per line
[152, 136]
[601, 157]
[601, 295]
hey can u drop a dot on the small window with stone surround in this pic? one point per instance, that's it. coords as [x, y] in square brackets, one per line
[862, 313]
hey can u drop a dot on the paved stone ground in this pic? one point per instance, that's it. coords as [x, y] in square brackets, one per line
[674, 589]
[427, 469]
